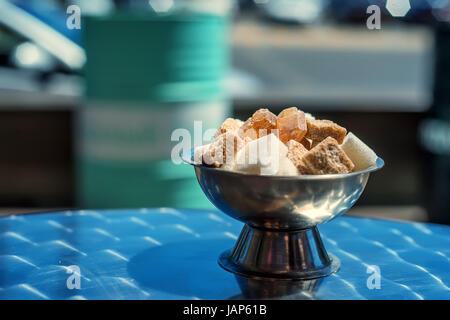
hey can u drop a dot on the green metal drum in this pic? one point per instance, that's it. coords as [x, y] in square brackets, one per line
[147, 75]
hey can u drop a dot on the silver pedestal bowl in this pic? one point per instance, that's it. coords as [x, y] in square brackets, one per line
[280, 238]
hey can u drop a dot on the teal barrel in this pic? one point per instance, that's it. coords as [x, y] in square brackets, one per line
[147, 75]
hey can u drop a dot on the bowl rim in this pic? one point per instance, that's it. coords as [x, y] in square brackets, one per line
[187, 156]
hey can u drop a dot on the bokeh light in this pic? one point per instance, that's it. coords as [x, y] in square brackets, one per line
[398, 8]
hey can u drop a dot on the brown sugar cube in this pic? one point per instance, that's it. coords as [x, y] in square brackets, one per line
[296, 151]
[222, 151]
[261, 123]
[229, 124]
[306, 143]
[326, 158]
[199, 152]
[318, 130]
[291, 124]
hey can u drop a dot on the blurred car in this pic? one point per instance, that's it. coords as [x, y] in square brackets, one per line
[36, 53]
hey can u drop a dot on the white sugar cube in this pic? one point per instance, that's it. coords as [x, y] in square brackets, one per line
[361, 155]
[266, 155]
[287, 168]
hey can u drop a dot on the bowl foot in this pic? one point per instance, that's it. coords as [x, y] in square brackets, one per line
[297, 254]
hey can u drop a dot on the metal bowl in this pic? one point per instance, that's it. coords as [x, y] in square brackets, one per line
[281, 213]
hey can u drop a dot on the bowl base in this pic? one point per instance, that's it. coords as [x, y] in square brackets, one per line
[290, 254]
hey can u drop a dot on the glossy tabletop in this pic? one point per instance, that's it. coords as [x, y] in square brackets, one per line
[172, 254]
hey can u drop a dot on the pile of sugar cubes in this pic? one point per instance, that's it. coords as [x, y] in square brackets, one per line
[292, 143]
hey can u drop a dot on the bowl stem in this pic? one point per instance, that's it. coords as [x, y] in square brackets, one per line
[293, 254]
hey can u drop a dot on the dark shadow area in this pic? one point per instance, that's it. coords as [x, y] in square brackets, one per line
[200, 276]
[188, 269]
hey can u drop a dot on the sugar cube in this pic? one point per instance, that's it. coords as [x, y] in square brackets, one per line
[229, 125]
[296, 151]
[291, 125]
[261, 123]
[266, 155]
[361, 155]
[318, 130]
[222, 150]
[326, 158]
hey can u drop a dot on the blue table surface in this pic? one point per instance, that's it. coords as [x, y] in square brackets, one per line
[172, 254]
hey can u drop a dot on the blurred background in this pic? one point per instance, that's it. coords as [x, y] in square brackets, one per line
[86, 114]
